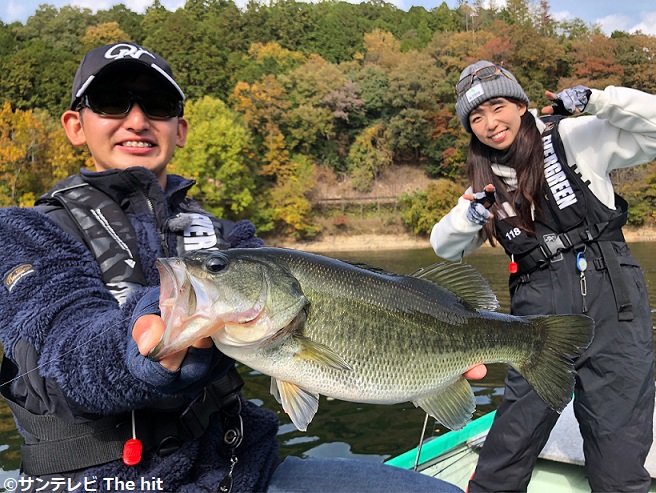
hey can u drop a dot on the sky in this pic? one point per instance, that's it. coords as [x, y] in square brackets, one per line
[611, 15]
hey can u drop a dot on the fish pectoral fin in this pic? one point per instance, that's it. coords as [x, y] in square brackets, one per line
[300, 404]
[274, 390]
[319, 353]
[453, 405]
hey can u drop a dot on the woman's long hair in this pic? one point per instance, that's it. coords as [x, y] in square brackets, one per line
[526, 157]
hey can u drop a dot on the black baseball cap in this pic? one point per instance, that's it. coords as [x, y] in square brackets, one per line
[106, 58]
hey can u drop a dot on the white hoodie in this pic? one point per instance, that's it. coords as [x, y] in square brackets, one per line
[619, 132]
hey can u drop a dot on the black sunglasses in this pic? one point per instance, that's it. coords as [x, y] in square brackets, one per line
[482, 73]
[113, 103]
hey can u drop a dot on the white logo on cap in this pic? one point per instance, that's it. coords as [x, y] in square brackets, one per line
[126, 50]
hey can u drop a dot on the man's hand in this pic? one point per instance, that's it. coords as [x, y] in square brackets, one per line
[147, 332]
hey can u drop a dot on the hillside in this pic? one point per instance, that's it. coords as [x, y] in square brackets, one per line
[398, 179]
[353, 221]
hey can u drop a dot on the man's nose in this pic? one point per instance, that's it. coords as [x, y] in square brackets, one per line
[137, 118]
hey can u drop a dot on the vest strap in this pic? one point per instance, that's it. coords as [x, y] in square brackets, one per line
[107, 233]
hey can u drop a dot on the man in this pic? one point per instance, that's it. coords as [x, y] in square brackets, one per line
[79, 313]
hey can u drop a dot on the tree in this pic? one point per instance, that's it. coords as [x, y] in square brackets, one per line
[268, 59]
[443, 19]
[369, 155]
[128, 21]
[421, 210]
[594, 63]
[59, 29]
[339, 30]
[33, 155]
[292, 24]
[636, 53]
[37, 76]
[373, 85]
[102, 34]
[289, 202]
[195, 49]
[217, 156]
[382, 50]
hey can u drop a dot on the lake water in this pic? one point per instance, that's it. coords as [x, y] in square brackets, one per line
[369, 432]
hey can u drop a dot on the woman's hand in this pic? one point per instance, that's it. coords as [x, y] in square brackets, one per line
[569, 102]
[478, 211]
[476, 372]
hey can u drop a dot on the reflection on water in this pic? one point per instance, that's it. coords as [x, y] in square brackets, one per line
[364, 431]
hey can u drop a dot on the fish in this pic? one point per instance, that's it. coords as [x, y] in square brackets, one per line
[356, 332]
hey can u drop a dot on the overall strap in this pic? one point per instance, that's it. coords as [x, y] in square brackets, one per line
[620, 291]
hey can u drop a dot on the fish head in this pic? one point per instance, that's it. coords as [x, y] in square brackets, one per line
[238, 299]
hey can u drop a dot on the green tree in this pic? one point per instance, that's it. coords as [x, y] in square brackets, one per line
[369, 155]
[443, 19]
[196, 50]
[217, 156]
[421, 210]
[128, 21]
[37, 76]
[59, 29]
[339, 30]
[635, 53]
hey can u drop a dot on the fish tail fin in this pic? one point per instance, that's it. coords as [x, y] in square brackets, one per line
[550, 369]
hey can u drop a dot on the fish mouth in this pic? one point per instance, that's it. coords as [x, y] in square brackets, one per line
[185, 302]
[171, 281]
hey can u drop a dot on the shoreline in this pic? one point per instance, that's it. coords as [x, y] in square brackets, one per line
[363, 242]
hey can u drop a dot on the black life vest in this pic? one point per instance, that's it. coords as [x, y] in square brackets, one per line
[96, 219]
[571, 215]
[106, 230]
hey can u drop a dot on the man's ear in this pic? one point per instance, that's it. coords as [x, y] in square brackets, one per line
[183, 127]
[72, 123]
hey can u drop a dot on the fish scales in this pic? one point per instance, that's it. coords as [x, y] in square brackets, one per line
[358, 321]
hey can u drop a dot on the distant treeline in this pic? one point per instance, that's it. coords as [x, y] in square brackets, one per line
[277, 90]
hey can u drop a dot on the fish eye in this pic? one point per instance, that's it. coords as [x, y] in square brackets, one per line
[216, 264]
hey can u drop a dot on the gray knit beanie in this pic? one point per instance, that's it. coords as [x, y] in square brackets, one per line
[482, 90]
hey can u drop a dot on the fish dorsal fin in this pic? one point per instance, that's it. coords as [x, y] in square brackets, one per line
[453, 405]
[369, 267]
[300, 404]
[320, 353]
[462, 280]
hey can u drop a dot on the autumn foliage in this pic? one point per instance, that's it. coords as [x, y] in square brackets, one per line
[277, 90]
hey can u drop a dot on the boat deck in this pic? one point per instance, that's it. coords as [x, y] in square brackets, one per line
[453, 457]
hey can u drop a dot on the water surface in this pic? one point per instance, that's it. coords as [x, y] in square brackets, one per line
[370, 432]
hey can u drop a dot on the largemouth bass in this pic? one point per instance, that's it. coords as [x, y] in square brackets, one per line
[320, 326]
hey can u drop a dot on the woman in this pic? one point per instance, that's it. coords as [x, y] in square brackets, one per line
[550, 204]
